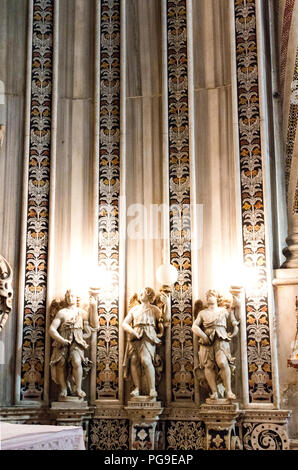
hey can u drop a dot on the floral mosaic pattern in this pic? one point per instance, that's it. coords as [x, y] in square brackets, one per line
[109, 434]
[179, 172]
[109, 193]
[142, 437]
[218, 439]
[254, 255]
[32, 379]
[185, 435]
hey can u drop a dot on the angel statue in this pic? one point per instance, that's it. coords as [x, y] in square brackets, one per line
[6, 292]
[144, 323]
[69, 328]
[211, 326]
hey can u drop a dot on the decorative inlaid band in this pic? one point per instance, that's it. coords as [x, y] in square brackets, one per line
[292, 123]
[179, 178]
[295, 206]
[109, 195]
[33, 348]
[286, 27]
[252, 198]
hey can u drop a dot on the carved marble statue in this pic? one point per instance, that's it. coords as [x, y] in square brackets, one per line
[144, 324]
[70, 327]
[6, 292]
[211, 326]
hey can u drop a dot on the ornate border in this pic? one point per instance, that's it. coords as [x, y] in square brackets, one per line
[109, 194]
[33, 349]
[185, 435]
[179, 177]
[252, 195]
[292, 125]
[286, 27]
[109, 434]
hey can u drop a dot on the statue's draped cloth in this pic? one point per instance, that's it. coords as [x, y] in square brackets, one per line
[71, 330]
[144, 324]
[215, 327]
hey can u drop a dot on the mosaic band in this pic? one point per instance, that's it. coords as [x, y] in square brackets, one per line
[33, 349]
[109, 194]
[179, 188]
[252, 196]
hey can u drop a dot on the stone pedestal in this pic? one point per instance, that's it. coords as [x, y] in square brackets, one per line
[143, 414]
[69, 403]
[220, 417]
[72, 411]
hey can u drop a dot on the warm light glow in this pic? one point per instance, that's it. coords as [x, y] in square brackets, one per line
[101, 278]
[167, 274]
[250, 276]
[239, 275]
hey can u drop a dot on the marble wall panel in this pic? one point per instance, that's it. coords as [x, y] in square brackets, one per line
[144, 160]
[211, 36]
[216, 188]
[74, 206]
[13, 23]
[216, 173]
[144, 188]
[143, 34]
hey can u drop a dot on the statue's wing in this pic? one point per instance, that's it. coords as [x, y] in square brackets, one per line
[197, 308]
[157, 302]
[5, 269]
[133, 301]
[55, 306]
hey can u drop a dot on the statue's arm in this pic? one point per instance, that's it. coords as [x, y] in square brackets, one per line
[126, 325]
[93, 316]
[53, 330]
[235, 324]
[166, 308]
[198, 330]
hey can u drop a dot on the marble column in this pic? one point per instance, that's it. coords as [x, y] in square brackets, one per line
[13, 24]
[286, 291]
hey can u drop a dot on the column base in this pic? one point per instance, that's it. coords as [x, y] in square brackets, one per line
[220, 419]
[143, 414]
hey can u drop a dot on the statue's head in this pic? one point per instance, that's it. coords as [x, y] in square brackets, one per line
[147, 294]
[70, 297]
[212, 297]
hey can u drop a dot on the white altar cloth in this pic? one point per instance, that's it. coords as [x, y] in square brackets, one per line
[40, 437]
